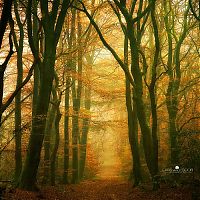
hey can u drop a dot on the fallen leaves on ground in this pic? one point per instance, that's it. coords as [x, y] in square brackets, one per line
[101, 190]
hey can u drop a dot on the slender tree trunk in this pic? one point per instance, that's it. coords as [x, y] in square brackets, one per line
[52, 23]
[2, 71]
[76, 96]
[47, 142]
[29, 174]
[18, 120]
[132, 124]
[56, 143]
[6, 13]
[172, 99]
[75, 134]
[18, 130]
[85, 130]
[28, 178]
[86, 121]
[140, 107]
[66, 132]
[152, 93]
[36, 73]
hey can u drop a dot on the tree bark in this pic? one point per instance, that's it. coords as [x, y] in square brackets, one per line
[172, 98]
[85, 130]
[6, 13]
[47, 141]
[132, 124]
[18, 120]
[56, 143]
[52, 23]
[66, 132]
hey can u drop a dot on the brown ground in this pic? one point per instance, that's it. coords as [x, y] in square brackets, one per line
[102, 190]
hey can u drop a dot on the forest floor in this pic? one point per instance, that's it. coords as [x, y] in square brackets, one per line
[102, 190]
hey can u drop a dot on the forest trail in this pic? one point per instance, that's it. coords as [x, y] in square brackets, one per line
[109, 173]
[116, 189]
[99, 190]
[112, 189]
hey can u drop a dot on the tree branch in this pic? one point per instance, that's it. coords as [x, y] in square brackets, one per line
[188, 121]
[8, 115]
[120, 62]
[9, 101]
[6, 12]
[193, 11]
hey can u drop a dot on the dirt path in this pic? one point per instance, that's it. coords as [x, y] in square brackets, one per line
[121, 190]
[101, 190]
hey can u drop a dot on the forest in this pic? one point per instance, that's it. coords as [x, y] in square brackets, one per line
[100, 99]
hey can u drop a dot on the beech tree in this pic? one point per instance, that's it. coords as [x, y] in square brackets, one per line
[19, 45]
[174, 72]
[51, 22]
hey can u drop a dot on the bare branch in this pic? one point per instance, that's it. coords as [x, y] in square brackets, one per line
[9, 101]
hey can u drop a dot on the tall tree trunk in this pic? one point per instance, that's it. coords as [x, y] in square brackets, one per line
[85, 130]
[86, 120]
[29, 173]
[28, 178]
[18, 130]
[36, 74]
[152, 93]
[172, 99]
[75, 136]
[132, 124]
[5, 15]
[56, 143]
[66, 132]
[76, 97]
[47, 141]
[52, 23]
[18, 120]
[140, 107]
